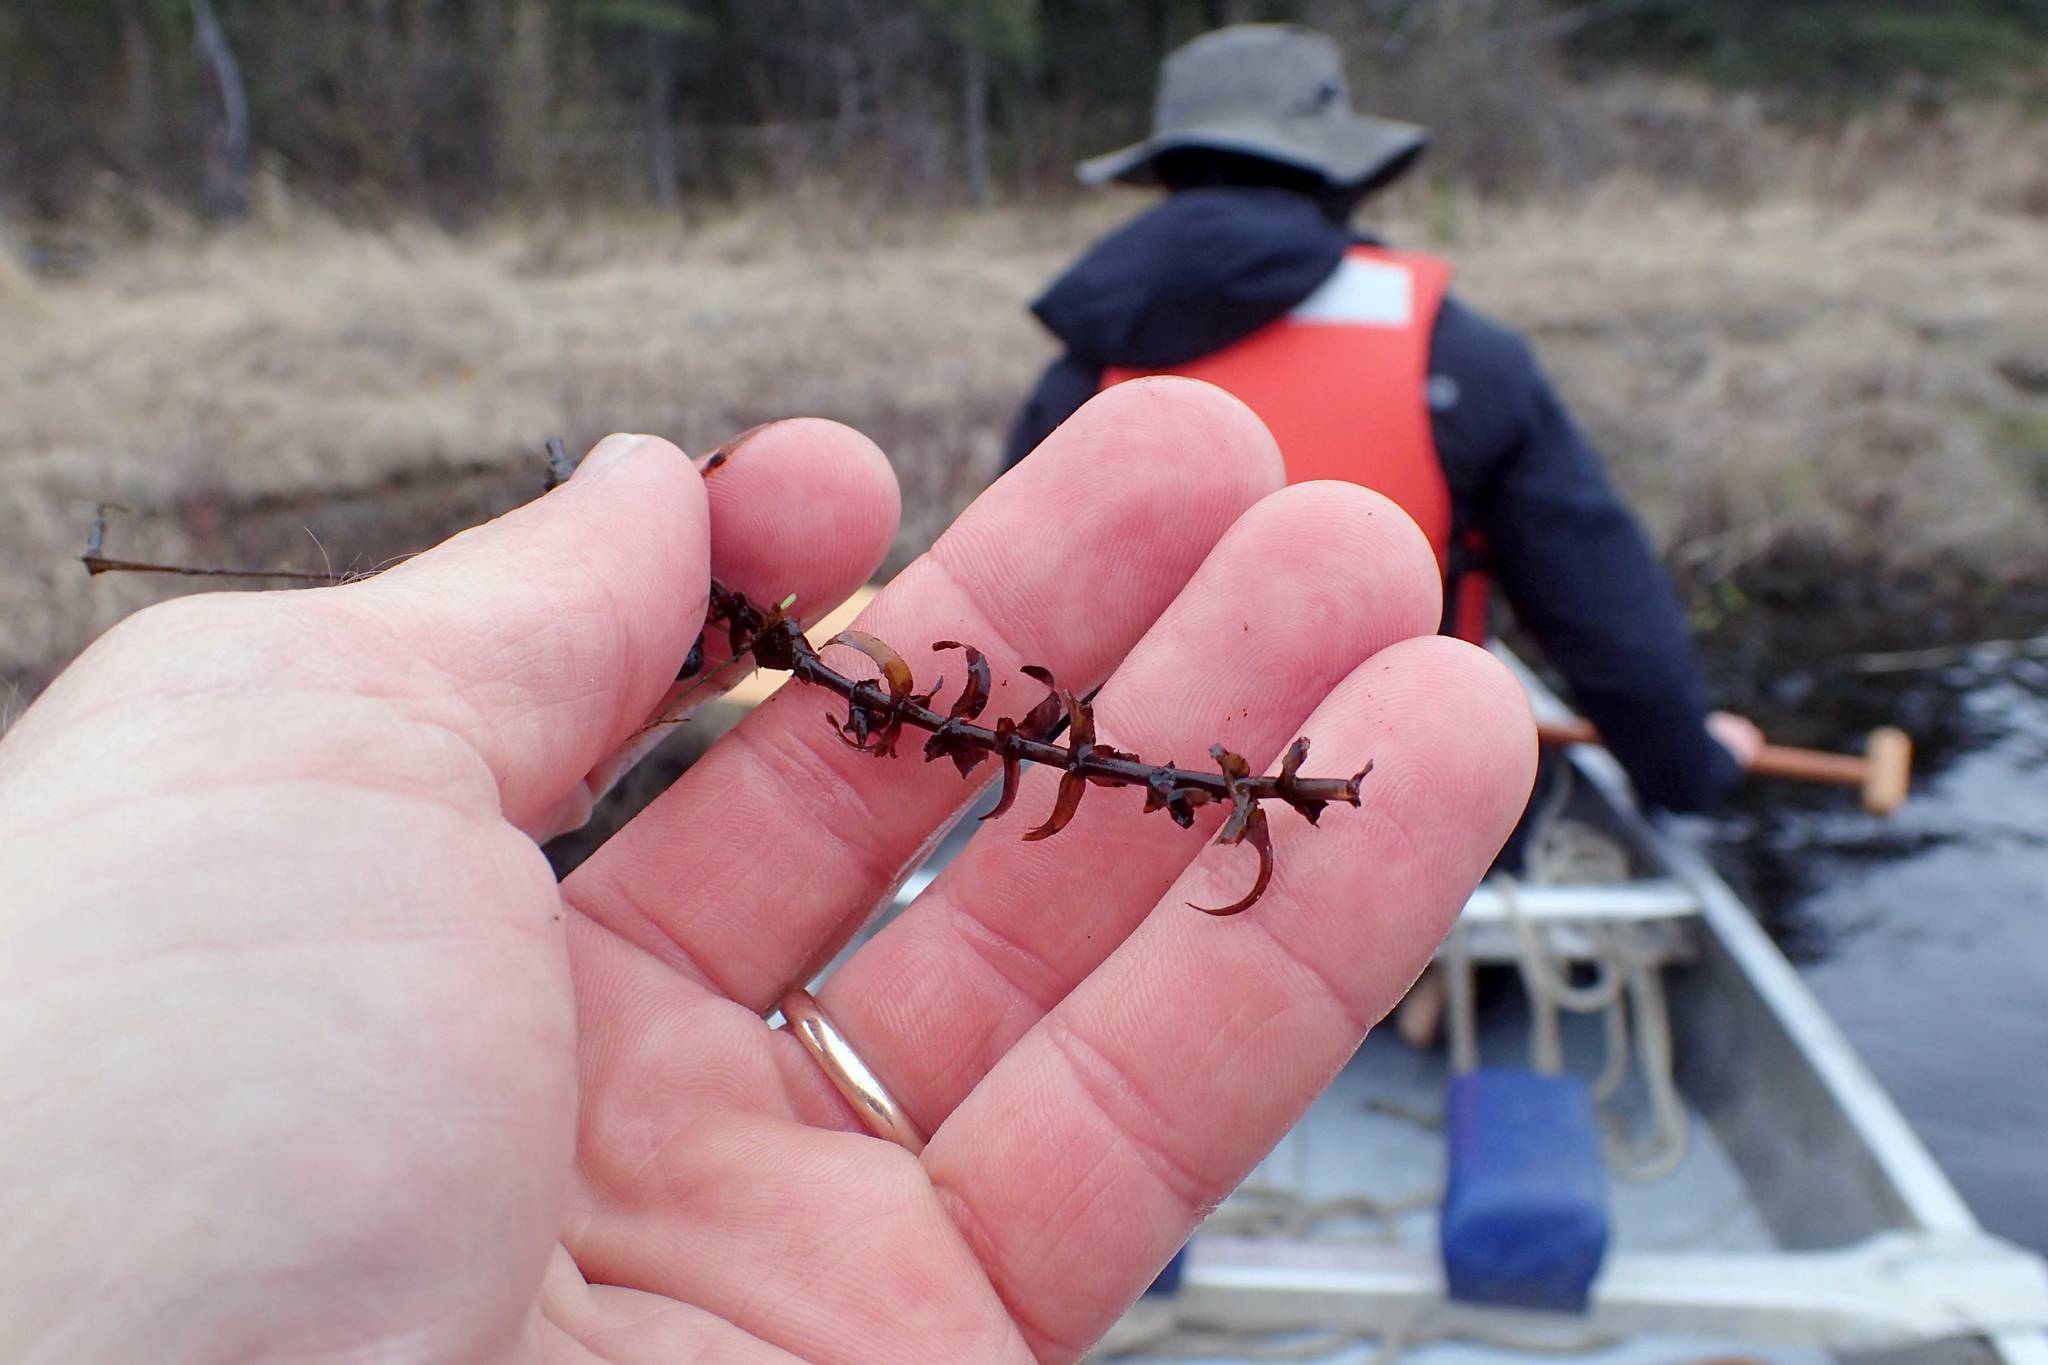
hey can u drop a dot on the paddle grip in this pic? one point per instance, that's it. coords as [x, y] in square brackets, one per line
[1882, 772]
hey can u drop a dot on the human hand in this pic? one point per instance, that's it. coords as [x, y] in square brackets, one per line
[306, 1055]
[1739, 735]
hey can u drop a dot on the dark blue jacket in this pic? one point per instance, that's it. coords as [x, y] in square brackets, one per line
[1209, 266]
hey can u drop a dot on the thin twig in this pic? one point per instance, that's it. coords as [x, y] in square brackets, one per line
[97, 562]
[559, 465]
[1940, 656]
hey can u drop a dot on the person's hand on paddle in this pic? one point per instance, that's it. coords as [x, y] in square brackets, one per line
[1737, 734]
[305, 1054]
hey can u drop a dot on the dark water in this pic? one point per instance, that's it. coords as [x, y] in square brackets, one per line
[1925, 935]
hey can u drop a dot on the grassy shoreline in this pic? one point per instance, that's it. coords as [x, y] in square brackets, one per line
[1790, 389]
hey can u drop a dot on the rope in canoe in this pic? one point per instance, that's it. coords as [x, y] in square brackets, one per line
[1626, 989]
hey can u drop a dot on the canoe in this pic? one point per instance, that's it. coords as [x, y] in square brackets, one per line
[1767, 1200]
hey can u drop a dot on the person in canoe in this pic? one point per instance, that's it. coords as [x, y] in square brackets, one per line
[1365, 368]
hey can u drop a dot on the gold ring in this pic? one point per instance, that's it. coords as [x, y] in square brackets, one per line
[849, 1075]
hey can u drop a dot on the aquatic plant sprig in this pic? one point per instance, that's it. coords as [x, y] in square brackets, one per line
[880, 709]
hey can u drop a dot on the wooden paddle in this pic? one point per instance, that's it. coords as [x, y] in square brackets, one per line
[1882, 771]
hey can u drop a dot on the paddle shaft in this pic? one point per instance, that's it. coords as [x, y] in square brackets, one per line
[1882, 772]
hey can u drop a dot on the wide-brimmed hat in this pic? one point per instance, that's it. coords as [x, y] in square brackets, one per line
[1275, 91]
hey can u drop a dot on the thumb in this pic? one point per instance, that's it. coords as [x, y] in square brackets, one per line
[544, 638]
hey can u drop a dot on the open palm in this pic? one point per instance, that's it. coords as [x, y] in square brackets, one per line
[307, 1056]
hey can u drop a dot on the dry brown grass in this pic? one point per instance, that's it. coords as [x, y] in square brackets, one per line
[1871, 383]
[1863, 373]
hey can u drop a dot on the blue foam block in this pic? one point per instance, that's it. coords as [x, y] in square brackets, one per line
[1168, 1282]
[1525, 1203]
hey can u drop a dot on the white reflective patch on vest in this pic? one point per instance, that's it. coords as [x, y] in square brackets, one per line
[1361, 293]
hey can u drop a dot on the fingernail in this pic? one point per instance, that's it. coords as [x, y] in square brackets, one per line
[610, 451]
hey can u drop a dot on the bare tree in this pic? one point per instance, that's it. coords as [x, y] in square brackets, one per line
[661, 132]
[975, 115]
[1003, 31]
[227, 143]
[138, 68]
[521, 91]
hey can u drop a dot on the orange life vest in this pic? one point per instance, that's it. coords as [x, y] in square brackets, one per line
[1342, 383]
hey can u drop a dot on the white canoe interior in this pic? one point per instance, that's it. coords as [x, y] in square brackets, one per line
[1798, 1217]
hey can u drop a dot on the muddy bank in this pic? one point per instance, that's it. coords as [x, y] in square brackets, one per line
[1826, 647]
